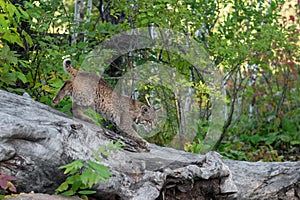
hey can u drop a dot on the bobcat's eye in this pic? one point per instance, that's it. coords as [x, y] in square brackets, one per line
[144, 109]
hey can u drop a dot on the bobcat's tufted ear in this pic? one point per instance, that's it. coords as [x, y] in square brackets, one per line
[159, 110]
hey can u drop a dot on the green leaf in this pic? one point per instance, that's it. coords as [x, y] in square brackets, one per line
[72, 167]
[64, 186]
[95, 179]
[68, 193]
[82, 45]
[103, 151]
[47, 89]
[145, 21]
[151, 14]
[27, 38]
[285, 138]
[76, 185]
[17, 90]
[13, 37]
[255, 139]
[45, 99]
[86, 175]
[22, 77]
[87, 192]
[115, 146]
[100, 169]
[88, 178]
[66, 107]
[25, 15]
[11, 9]
[43, 44]
[271, 138]
[4, 25]
[295, 142]
[73, 179]
[57, 83]
[8, 78]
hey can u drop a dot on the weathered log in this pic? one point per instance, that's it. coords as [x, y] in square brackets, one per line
[266, 180]
[36, 139]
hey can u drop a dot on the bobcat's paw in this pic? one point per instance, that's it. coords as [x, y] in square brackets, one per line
[89, 120]
[54, 102]
[144, 145]
[84, 118]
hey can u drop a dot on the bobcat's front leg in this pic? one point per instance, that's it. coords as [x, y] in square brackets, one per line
[132, 134]
[78, 110]
[65, 90]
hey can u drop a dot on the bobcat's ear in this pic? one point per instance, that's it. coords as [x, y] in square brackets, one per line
[159, 110]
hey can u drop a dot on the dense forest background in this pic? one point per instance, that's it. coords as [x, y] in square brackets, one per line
[255, 44]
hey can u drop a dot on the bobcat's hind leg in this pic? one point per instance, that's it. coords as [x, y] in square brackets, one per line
[78, 110]
[65, 90]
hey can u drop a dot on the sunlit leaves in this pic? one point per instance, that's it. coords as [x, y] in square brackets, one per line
[10, 19]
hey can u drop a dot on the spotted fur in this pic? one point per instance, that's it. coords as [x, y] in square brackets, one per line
[88, 90]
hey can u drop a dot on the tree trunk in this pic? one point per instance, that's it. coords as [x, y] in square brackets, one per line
[36, 139]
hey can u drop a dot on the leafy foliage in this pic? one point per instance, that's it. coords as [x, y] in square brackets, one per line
[264, 78]
[11, 17]
[86, 173]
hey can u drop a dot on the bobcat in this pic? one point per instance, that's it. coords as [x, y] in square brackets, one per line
[88, 90]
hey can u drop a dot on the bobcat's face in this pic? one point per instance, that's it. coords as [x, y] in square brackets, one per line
[147, 117]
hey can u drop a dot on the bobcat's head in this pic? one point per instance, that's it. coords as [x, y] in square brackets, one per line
[147, 118]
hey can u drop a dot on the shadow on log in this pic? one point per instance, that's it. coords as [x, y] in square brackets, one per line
[36, 139]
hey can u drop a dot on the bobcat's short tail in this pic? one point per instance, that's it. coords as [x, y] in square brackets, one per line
[68, 67]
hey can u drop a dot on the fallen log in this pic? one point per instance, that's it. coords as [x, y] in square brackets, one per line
[36, 139]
